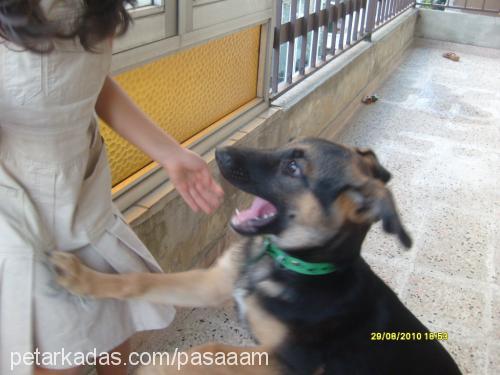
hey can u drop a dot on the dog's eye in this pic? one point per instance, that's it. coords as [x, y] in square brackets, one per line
[293, 169]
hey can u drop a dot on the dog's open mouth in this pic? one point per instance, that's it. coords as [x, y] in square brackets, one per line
[260, 214]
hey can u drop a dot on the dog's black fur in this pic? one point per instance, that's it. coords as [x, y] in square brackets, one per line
[330, 318]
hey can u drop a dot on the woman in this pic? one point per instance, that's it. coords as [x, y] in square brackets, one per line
[55, 184]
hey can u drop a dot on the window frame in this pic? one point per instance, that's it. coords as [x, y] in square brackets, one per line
[154, 7]
[151, 23]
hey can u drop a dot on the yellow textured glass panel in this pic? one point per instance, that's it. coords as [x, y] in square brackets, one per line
[187, 92]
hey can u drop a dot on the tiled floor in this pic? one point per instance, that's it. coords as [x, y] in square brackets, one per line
[436, 127]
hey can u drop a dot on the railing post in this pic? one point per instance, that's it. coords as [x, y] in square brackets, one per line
[370, 18]
[303, 48]
[291, 44]
[314, 52]
[276, 52]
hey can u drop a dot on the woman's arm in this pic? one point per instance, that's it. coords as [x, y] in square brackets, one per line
[188, 172]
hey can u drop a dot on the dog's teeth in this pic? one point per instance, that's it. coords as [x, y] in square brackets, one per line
[237, 211]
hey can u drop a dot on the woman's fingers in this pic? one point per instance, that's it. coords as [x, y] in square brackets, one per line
[198, 188]
[211, 184]
[186, 195]
[217, 188]
[210, 190]
[200, 200]
[204, 195]
[208, 196]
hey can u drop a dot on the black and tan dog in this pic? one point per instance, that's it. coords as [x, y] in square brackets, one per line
[309, 298]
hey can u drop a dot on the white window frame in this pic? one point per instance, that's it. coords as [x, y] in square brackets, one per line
[152, 23]
[155, 6]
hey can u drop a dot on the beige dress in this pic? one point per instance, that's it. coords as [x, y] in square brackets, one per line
[55, 195]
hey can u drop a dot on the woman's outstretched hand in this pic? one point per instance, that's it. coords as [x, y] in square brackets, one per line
[188, 172]
[193, 180]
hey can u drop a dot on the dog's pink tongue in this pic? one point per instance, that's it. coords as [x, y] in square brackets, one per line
[259, 208]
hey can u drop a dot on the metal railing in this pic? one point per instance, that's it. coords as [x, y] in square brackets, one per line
[486, 6]
[311, 33]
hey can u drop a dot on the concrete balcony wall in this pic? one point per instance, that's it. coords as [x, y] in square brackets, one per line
[459, 27]
[182, 240]
[473, 5]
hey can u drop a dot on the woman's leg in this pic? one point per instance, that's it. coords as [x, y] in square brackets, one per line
[71, 371]
[122, 351]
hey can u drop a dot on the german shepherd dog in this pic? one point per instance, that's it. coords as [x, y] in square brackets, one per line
[301, 285]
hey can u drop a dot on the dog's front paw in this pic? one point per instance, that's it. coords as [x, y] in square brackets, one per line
[71, 273]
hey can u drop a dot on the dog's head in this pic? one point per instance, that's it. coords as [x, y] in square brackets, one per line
[310, 191]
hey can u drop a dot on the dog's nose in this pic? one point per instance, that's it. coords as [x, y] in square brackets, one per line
[223, 157]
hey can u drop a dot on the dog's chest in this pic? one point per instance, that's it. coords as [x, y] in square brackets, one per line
[266, 328]
[249, 283]
[254, 283]
[239, 295]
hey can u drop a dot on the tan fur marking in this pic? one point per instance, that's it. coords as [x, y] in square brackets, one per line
[270, 288]
[310, 227]
[346, 204]
[345, 208]
[308, 210]
[266, 328]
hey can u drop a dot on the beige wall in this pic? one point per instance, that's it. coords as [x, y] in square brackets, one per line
[459, 27]
[477, 4]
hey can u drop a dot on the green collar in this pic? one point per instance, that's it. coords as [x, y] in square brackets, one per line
[295, 264]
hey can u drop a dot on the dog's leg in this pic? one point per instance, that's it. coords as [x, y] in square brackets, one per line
[197, 288]
[214, 359]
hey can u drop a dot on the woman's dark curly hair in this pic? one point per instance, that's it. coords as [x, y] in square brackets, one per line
[24, 23]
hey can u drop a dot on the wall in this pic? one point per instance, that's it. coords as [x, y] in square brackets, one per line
[476, 4]
[459, 27]
[179, 24]
[320, 105]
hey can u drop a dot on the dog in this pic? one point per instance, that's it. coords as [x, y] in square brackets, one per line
[298, 278]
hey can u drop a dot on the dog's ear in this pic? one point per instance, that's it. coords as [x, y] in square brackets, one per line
[373, 202]
[370, 161]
